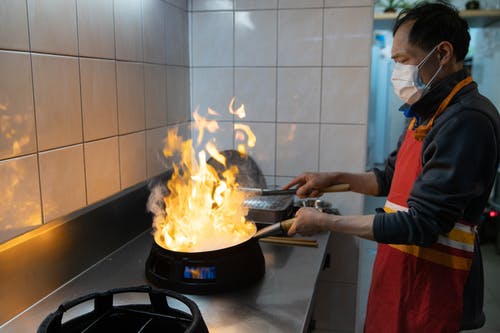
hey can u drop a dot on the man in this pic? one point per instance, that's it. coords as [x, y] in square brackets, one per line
[427, 275]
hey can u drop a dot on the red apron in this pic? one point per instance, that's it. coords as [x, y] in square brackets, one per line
[418, 289]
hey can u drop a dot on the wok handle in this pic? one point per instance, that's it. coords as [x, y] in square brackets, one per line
[337, 188]
[287, 224]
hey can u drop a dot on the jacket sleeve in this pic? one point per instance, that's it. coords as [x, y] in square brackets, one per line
[459, 162]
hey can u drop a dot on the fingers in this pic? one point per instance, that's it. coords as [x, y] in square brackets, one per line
[296, 181]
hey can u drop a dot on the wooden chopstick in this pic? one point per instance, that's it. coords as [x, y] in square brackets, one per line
[290, 241]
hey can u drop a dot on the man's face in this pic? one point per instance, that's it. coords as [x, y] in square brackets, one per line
[405, 53]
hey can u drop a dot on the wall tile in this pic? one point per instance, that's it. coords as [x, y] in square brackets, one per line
[17, 117]
[132, 159]
[255, 4]
[154, 150]
[299, 37]
[212, 88]
[345, 101]
[155, 81]
[130, 83]
[333, 145]
[212, 39]
[347, 36]
[256, 89]
[57, 101]
[19, 195]
[301, 3]
[255, 38]
[297, 149]
[98, 80]
[14, 25]
[347, 3]
[335, 306]
[222, 138]
[265, 148]
[182, 4]
[178, 104]
[299, 94]
[154, 31]
[177, 49]
[96, 33]
[102, 169]
[128, 30]
[212, 5]
[62, 178]
[53, 27]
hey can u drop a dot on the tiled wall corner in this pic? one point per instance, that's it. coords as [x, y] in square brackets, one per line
[86, 89]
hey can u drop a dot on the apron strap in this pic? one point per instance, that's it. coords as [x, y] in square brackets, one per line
[421, 131]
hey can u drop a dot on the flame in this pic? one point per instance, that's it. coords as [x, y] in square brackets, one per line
[203, 210]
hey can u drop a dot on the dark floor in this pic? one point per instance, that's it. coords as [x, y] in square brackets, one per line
[491, 261]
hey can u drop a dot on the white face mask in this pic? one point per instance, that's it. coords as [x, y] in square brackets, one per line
[407, 82]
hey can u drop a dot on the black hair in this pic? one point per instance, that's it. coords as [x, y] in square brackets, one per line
[434, 23]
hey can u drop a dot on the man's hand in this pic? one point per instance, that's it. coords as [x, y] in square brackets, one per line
[310, 184]
[308, 221]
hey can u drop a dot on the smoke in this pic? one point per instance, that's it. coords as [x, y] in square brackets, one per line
[156, 203]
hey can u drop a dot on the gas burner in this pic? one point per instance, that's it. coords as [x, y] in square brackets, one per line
[207, 272]
[145, 318]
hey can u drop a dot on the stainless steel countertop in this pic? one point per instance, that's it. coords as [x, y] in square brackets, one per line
[280, 302]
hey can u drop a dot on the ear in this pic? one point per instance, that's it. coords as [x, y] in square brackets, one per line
[445, 52]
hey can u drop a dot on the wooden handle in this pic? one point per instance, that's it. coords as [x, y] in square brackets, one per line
[287, 224]
[337, 188]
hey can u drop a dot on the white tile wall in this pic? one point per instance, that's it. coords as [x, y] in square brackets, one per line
[17, 117]
[347, 36]
[155, 92]
[177, 52]
[13, 25]
[99, 110]
[178, 104]
[90, 104]
[212, 5]
[130, 89]
[132, 158]
[62, 178]
[255, 4]
[300, 37]
[212, 88]
[20, 196]
[255, 38]
[56, 84]
[300, 3]
[53, 26]
[212, 38]
[255, 87]
[128, 30]
[299, 91]
[154, 30]
[264, 151]
[297, 148]
[156, 163]
[344, 101]
[101, 165]
[96, 35]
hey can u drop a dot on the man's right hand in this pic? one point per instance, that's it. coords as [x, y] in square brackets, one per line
[310, 184]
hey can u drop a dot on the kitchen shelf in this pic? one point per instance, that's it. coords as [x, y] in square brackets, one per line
[476, 18]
